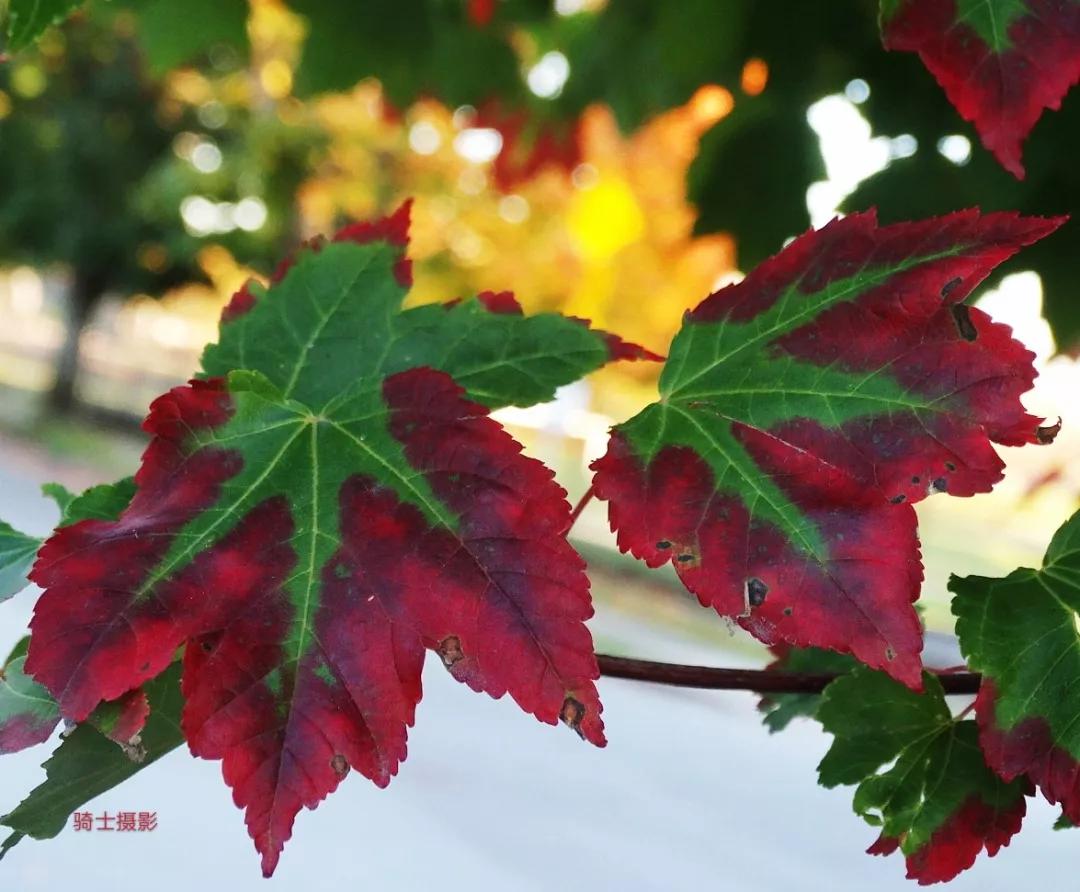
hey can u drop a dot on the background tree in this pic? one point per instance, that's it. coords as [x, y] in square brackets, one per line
[97, 160]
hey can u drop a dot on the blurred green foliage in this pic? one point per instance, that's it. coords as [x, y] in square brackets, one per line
[82, 132]
[23, 21]
[94, 179]
[171, 35]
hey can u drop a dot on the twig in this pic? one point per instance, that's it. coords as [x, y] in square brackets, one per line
[760, 680]
[967, 709]
[580, 506]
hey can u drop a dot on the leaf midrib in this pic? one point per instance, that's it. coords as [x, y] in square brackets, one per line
[811, 308]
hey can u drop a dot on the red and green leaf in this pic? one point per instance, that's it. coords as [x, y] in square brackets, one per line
[18, 550]
[86, 764]
[28, 712]
[310, 525]
[921, 776]
[1000, 62]
[1020, 632]
[805, 409]
[341, 315]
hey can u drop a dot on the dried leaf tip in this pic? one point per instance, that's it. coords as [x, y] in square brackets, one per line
[1047, 433]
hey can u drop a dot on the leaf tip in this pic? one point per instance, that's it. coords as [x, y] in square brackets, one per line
[393, 229]
[240, 304]
[1047, 433]
[619, 349]
[500, 302]
[582, 720]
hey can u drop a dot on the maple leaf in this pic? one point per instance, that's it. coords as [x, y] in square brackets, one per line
[86, 764]
[332, 500]
[803, 411]
[921, 776]
[1020, 633]
[1000, 62]
[28, 712]
[18, 550]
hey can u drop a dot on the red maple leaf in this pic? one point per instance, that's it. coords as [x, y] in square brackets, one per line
[309, 526]
[805, 409]
[1000, 62]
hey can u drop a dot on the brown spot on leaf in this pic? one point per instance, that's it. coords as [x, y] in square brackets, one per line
[949, 466]
[450, 651]
[950, 286]
[572, 713]
[340, 765]
[962, 317]
[788, 611]
[938, 484]
[890, 654]
[1048, 432]
[756, 590]
[916, 479]
[663, 544]
[687, 555]
[898, 499]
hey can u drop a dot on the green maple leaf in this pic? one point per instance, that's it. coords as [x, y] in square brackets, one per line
[920, 773]
[1020, 632]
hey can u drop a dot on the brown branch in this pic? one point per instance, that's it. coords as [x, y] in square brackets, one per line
[761, 680]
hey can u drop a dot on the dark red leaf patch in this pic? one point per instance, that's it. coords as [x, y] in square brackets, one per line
[97, 632]
[954, 846]
[1028, 749]
[1001, 76]
[858, 601]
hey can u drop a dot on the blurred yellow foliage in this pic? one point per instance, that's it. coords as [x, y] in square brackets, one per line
[611, 242]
